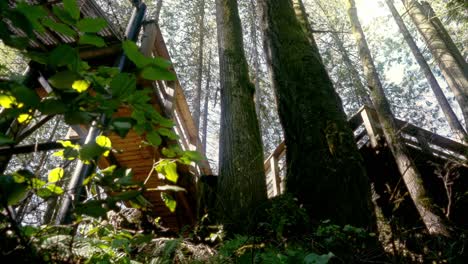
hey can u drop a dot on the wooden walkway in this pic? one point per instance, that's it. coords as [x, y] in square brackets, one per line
[368, 132]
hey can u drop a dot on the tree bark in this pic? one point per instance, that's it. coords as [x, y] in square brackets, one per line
[455, 74]
[198, 89]
[242, 186]
[324, 169]
[205, 106]
[452, 119]
[445, 36]
[158, 10]
[432, 218]
[254, 37]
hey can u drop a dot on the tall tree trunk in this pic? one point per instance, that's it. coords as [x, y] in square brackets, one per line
[158, 10]
[445, 36]
[198, 91]
[431, 217]
[359, 88]
[324, 169]
[254, 37]
[455, 75]
[302, 17]
[205, 106]
[452, 119]
[242, 184]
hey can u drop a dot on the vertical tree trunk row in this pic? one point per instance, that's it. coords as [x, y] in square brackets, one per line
[242, 185]
[432, 218]
[452, 119]
[453, 72]
[324, 169]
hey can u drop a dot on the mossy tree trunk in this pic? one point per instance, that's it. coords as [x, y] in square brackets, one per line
[451, 63]
[324, 168]
[432, 218]
[242, 186]
[452, 119]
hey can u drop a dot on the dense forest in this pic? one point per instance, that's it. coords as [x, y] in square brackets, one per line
[224, 131]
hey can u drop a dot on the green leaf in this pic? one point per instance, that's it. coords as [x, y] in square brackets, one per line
[91, 151]
[169, 201]
[313, 258]
[52, 107]
[155, 73]
[122, 125]
[27, 96]
[63, 15]
[91, 39]
[20, 21]
[154, 138]
[33, 13]
[123, 85]
[63, 80]
[55, 189]
[91, 25]
[37, 57]
[132, 52]
[36, 183]
[71, 6]
[168, 169]
[5, 140]
[64, 55]
[77, 117]
[171, 172]
[168, 152]
[11, 192]
[55, 175]
[91, 208]
[167, 133]
[59, 27]
[193, 155]
[125, 196]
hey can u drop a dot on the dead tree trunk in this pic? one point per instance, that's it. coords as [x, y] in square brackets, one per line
[241, 184]
[432, 218]
[449, 64]
[452, 119]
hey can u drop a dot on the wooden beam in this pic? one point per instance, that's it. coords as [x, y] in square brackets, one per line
[276, 180]
[370, 125]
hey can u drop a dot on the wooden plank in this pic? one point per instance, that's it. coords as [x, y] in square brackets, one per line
[432, 138]
[369, 124]
[276, 180]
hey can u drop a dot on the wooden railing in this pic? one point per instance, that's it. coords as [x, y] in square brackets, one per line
[367, 131]
[172, 99]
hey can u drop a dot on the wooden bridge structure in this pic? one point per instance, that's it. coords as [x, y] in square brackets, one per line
[168, 98]
[432, 154]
